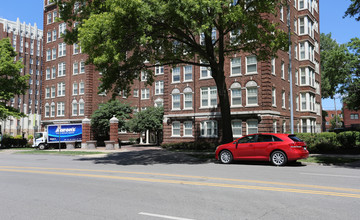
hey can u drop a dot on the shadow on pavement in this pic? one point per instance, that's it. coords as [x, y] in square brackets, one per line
[145, 157]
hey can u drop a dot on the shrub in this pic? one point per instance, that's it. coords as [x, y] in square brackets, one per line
[191, 146]
[347, 139]
[30, 137]
[18, 137]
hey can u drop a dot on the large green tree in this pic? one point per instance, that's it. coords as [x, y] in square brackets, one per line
[354, 10]
[12, 83]
[100, 119]
[125, 37]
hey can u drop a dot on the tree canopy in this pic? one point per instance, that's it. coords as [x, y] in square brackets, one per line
[150, 119]
[354, 10]
[100, 119]
[125, 37]
[12, 83]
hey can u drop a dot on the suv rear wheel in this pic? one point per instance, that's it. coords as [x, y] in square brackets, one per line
[278, 158]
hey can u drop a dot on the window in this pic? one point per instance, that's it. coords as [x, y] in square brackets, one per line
[209, 129]
[176, 74]
[54, 16]
[176, 129]
[188, 129]
[205, 72]
[81, 88]
[296, 51]
[159, 102]
[47, 93]
[303, 102]
[53, 72]
[301, 4]
[274, 126]
[49, 18]
[282, 13]
[159, 70]
[136, 93]
[75, 89]
[75, 68]
[283, 99]
[175, 99]
[52, 109]
[282, 70]
[208, 97]
[295, 25]
[159, 87]
[62, 49]
[53, 91]
[188, 98]
[82, 67]
[303, 76]
[354, 116]
[74, 108]
[145, 93]
[47, 73]
[302, 51]
[81, 107]
[143, 76]
[252, 126]
[61, 89]
[235, 94]
[235, 66]
[302, 25]
[54, 35]
[76, 48]
[54, 53]
[251, 93]
[61, 69]
[47, 110]
[48, 37]
[60, 109]
[283, 126]
[273, 97]
[273, 66]
[251, 65]
[187, 73]
[236, 128]
[296, 77]
[233, 35]
[62, 28]
[48, 55]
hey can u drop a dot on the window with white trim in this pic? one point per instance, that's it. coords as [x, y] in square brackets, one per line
[188, 129]
[252, 127]
[53, 72]
[188, 98]
[136, 93]
[236, 126]
[81, 107]
[49, 19]
[143, 76]
[175, 129]
[62, 49]
[208, 97]
[209, 128]
[175, 99]
[75, 68]
[47, 92]
[251, 65]
[61, 89]
[273, 66]
[74, 106]
[235, 66]
[48, 55]
[205, 71]
[283, 99]
[54, 35]
[61, 69]
[159, 87]
[175, 75]
[49, 38]
[75, 88]
[52, 109]
[47, 110]
[236, 94]
[54, 53]
[159, 70]
[62, 28]
[273, 96]
[61, 109]
[82, 67]
[76, 48]
[145, 93]
[159, 102]
[47, 74]
[81, 88]
[282, 70]
[188, 73]
[282, 13]
[251, 93]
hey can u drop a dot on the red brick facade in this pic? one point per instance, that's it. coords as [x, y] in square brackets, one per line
[351, 118]
[194, 120]
[331, 115]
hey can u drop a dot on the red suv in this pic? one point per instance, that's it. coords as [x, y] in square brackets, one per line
[277, 148]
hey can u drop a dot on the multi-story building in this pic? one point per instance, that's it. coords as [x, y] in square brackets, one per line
[351, 118]
[331, 115]
[259, 91]
[27, 42]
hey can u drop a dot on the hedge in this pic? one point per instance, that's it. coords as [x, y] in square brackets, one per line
[330, 142]
[191, 146]
[8, 142]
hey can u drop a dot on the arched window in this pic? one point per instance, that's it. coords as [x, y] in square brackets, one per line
[175, 99]
[251, 93]
[235, 94]
[159, 102]
[52, 109]
[188, 98]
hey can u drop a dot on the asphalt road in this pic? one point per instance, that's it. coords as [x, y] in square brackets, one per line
[155, 184]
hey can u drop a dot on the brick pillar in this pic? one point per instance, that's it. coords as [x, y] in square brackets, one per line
[114, 132]
[86, 130]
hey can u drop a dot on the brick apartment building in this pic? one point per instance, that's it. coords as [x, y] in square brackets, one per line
[259, 91]
[331, 115]
[351, 119]
[27, 41]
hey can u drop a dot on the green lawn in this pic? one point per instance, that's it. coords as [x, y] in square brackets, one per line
[329, 160]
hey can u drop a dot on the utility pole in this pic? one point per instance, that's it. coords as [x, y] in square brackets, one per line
[290, 73]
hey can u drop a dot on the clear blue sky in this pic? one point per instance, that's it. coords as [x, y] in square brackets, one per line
[331, 13]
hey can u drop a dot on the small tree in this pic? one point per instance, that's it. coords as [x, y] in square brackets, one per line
[150, 119]
[100, 119]
[336, 122]
[11, 82]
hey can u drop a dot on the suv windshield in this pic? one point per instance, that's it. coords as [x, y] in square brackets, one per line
[294, 138]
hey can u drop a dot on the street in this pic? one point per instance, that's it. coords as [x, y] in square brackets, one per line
[156, 184]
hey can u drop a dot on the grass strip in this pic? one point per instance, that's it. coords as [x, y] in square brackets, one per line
[329, 160]
[71, 153]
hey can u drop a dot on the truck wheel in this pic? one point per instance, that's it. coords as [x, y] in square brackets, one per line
[78, 145]
[41, 146]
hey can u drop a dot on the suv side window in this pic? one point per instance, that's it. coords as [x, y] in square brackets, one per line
[247, 139]
[265, 138]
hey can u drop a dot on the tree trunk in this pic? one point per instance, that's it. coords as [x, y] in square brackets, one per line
[227, 134]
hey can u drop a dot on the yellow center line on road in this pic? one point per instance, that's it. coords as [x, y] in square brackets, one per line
[313, 192]
[195, 177]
